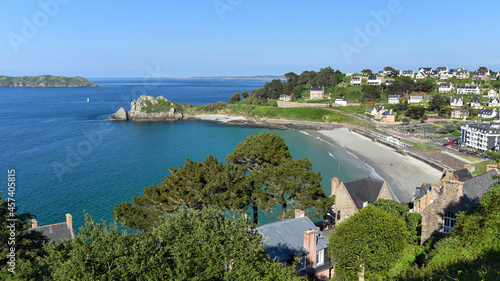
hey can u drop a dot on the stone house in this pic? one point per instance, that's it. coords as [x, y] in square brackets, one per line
[456, 192]
[298, 237]
[316, 93]
[352, 196]
[57, 232]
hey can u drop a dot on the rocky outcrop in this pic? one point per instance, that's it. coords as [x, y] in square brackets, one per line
[148, 108]
[45, 81]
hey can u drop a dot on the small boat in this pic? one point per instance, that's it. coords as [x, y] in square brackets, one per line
[88, 100]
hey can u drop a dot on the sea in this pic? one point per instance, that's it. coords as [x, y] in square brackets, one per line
[68, 158]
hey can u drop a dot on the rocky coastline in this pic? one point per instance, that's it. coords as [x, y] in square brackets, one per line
[148, 108]
[45, 81]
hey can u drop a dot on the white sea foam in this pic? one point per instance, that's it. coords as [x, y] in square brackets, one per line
[352, 154]
[305, 133]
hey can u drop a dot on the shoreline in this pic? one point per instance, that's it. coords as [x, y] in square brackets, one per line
[402, 173]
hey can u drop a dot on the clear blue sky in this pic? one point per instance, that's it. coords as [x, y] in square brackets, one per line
[192, 38]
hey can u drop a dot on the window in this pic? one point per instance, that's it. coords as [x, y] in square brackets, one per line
[320, 257]
[449, 220]
[303, 262]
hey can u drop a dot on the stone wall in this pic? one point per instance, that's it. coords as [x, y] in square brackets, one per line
[343, 203]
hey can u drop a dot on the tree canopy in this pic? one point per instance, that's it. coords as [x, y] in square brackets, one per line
[371, 93]
[371, 241]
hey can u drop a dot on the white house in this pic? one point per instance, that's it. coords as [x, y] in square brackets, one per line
[407, 73]
[373, 80]
[460, 113]
[356, 81]
[480, 75]
[425, 70]
[393, 99]
[475, 103]
[371, 110]
[415, 99]
[284, 97]
[388, 82]
[434, 74]
[487, 113]
[463, 73]
[341, 101]
[445, 87]
[468, 90]
[492, 94]
[446, 75]
[494, 102]
[442, 69]
[420, 75]
[457, 102]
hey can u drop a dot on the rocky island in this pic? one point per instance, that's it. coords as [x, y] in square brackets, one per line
[45, 81]
[148, 108]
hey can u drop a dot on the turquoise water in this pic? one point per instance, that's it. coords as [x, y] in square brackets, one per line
[69, 159]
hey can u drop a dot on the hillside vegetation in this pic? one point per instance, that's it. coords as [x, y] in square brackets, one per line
[45, 81]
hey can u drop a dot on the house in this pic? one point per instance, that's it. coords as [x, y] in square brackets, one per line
[371, 110]
[460, 113]
[388, 82]
[285, 97]
[463, 74]
[298, 237]
[415, 99]
[487, 113]
[454, 71]
[480, 136]
[492, 94]
[373, 80]
[451, 196]
[425, 70]
[356, 81]
[442, 69]
[468, 90]
[475, 102]
[380, 112]
[476, 83]
[316, 93]
[420, 75]
[57, 232]
[481, 75]
[352, 196]
[494, 102]
[445, 87]
[407, 73]
[388, 117]
[434, 74]
[341, 101]
[393, 99]
[457, 102]
[446, 75]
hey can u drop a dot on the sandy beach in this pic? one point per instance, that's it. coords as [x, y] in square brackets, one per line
[402, 173]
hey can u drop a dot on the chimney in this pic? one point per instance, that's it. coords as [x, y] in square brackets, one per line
[299, 213]
[469, 168]
[310, 240]
[335, 184]
[69, 223]
[34, 223]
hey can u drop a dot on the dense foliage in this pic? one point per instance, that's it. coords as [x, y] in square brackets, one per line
[412, 220]
[370, 241]
[188, 245]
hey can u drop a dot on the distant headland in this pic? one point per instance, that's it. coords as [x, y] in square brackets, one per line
[45, 81]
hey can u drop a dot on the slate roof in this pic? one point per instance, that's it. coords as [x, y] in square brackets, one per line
[369, 110]
[393, 97]
[372, 77]
[316, 89]
[455, 100]
[285, 239]
[445, 85]
[420, 191]
[55, 232]
[363, 190]
[475, 187]
[462, 174]
[475, 100]
[340, 99]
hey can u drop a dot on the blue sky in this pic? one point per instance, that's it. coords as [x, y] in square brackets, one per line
[242, 37]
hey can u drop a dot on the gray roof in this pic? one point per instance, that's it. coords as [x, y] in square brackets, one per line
[316, 89]
[285, 239]
[372, 77]
[476, 186]
[462, 174]
[369, 109]
[421, 191]
[363, 190]
[393, 97]
[340, 99]
[445, 85]
[475, 100]
[456, 99]
[55, 232]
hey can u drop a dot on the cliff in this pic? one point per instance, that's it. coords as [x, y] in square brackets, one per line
[45, 81]
[148, 108]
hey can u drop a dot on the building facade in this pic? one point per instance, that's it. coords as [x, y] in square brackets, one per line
[481, 136]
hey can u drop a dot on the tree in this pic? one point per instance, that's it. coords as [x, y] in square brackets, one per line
[482, 69]
[425, 85]
[244, 94]
[437, 102]
[371, 93]
[393, 72]
[415, 111]
[235, 97]
[367, 72]
[194, 185]
[273, 177]
[186, 245]
[371, 240]
[402, 210]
